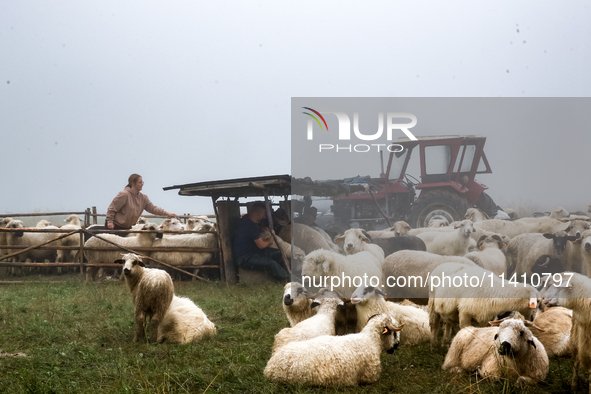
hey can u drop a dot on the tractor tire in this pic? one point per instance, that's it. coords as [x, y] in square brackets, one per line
[438, 204]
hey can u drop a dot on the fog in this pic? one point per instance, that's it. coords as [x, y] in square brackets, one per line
[187, 92]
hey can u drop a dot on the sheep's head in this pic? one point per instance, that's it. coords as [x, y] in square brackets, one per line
[132, 263]
[559, 213]
[559, 240]
[73, 219]
[294, 292]
[14, 225]
[318, 263]
[494, 241]
[363, 293]
[388, 328]
[561, 294]
[513, 337]
[152, 227]
[43, 223]
[435, 223]
[171, 224]
[577, 227]
[328, 299]
[466, 227]
[353, 240]
[586, 241]
[141, 220]
[401, 228]
[5, 221]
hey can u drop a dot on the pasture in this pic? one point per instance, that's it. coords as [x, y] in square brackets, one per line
[77, 338]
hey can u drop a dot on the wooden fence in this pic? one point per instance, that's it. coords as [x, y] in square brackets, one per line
[14, 250]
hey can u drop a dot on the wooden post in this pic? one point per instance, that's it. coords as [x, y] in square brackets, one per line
[81, 253]
[94, 217]
[227, 214]
[270, 219]
[87, 218]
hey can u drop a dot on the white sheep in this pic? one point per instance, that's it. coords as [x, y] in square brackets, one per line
[325, 268]
[355, 240]
[306, 238]
[525, 249]
[346, 360]
[453, 243]
[143, 240]
[437, 223]
[490, 254]
[195, 259]
[297, 303]
[574, 293]
[3, 241]
[460, 298]
[370, 301]
[322, 323]
[74, 222]
[552, 327]
[509, 350]
[476, 215]
[151, 291]
[415, 267]
[399, 228]
[184, 322]
[171, 224]
[521, 226]
[31, 239]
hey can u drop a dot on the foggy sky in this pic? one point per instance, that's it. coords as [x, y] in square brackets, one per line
[187, 91]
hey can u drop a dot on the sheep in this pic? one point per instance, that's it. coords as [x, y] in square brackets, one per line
[322, 323]
[3, 241]
[575, 293]
[415, 265]
[436, 223]
[369, 300]
[171, 224]
[524, 250]
[559, 213]
[586, 251]
[476, 215]
[490, 254]
[297, 303]
[402, 242]
[508, 348]
[520, 226]
[74, 223]
[356, 240]
[143, 240]
[31, 239]
[327, 265]
[449, 243]
[480, 304]
[293, 253]
[151, 291]
[306, 238]
[184, 322]
[552, 327]
[196, 259]
[400, 228]
[336, 360]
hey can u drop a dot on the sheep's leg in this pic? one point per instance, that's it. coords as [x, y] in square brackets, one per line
[140, 321]
[195, 272]
[435, 323]
[465, 320]
[447, 331]
[575, 381]
[154, 323]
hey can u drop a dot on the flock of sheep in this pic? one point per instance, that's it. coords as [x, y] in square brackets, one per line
[205, 239]
[534, 304]
[337, 333]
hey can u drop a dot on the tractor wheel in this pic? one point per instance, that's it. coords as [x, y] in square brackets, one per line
[439, 204]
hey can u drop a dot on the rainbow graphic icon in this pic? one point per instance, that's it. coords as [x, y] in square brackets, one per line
[315, 118]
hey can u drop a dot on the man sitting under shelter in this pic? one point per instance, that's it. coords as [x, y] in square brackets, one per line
[250, 251]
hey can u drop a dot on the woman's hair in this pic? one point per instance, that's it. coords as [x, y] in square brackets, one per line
[133, 179]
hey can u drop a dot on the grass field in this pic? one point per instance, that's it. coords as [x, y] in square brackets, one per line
[78, 339]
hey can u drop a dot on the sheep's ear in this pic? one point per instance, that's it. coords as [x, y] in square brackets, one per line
[532, 325]
[314, 304]
[531, 342]
[380, 292]
[140, 262]
[496, 322]
[482, 238]
[456, 226]
[481, 247]
[549, 236]
[571, 238]
[326, 266]
[339, 238]
[386, 331]
[365, 239]
[120, 261]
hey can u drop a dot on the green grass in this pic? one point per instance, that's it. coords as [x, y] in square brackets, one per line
[78, 338]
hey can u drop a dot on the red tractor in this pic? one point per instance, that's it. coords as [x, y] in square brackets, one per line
[446, 188]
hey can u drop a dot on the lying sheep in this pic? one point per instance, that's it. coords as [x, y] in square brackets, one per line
[490, 254]
[552, 327]
[449, 243]
[507, 350]
[524, 250]
[143, 240]
[575, 294]
[415, 264]
[184, 322]
[151, 291]
[297, 303]
[370, 301]
[322, 323]
[322, 267]
[356, 240]
[346, 360]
